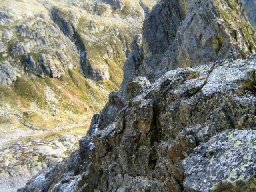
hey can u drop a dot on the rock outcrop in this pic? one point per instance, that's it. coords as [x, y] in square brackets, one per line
[7, 74]
[226, 162]
[185, 129]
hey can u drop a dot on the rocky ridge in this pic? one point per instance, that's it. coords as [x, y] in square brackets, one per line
[186, 129]
[164, 137]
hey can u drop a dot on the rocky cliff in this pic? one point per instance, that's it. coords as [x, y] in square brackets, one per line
[185, 129]
[59, 60]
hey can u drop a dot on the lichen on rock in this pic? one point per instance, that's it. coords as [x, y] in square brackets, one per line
[227, 158]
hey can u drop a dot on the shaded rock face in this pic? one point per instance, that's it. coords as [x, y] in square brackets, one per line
[190, 33]
[155, 141]
[166, 129]
[131, 65]
[250, 7]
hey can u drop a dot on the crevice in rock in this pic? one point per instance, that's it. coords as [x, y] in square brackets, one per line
[228, 117]
[193, 92]
[155, 131]
[155, 137]
[123, 111]
[84, 63]
[178, 182]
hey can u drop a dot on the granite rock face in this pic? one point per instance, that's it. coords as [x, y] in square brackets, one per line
[226, 159]
[186, 109]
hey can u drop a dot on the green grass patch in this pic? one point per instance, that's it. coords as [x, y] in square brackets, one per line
[31, 90]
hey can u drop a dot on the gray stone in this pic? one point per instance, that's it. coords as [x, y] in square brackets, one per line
[4, 17]
[7, 73]
[31, 63]
[19, 50]
[2, 47]
[227, 158]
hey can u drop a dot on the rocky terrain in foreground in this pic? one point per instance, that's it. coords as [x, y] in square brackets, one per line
[192, 129]
[59, 60]
[185, 116]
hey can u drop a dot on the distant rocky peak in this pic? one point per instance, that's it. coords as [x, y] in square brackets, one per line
[189, 33]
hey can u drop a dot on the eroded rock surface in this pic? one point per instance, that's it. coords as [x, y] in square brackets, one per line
[226, 159]
[7, 74]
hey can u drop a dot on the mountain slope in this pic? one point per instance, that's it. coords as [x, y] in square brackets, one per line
[186, 129]
[59, 60]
